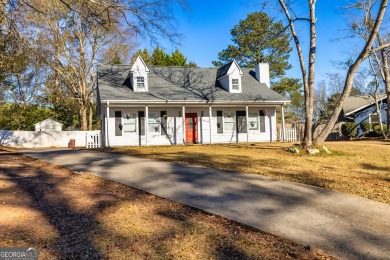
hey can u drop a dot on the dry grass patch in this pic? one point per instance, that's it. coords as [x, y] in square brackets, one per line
[355, 167]
[73, 216]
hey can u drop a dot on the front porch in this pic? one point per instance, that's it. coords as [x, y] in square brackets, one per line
[143, 125]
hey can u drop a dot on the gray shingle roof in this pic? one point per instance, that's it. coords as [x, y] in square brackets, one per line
[180, 84]
[356, 103]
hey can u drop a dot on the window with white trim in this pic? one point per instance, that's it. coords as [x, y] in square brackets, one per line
[140, 83]
[374, 119]
[235, 84]
[253, 120]
[129, 122]
[154, 122]
[228, 121]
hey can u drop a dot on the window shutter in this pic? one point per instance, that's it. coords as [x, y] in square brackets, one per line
[241, 121]
[141, 122]
[118, 123]
[262, 120]
[219, 122]
[163, 118]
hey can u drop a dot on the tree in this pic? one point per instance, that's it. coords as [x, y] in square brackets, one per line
[257, 39]
[117, 53]
[308, 76]
[292, 88]
[160, 58]
[177, 59]
[72, 34]
[368, 81]
[145, 55]
[379, 63]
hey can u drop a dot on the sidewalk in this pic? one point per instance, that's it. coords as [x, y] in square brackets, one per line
[346, 226]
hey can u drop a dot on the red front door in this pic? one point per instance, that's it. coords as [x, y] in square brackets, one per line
[191, 128]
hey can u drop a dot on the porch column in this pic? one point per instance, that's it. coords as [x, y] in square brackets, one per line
[247, 124]
[106, 123]
[146, 124]
[283, 126]
[210, 117]
[183, 123]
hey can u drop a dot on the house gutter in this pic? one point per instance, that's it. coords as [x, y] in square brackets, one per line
[187, 102]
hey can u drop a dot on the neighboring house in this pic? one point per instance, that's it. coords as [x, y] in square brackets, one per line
[48, 125]
[141, 105]
[360, 109]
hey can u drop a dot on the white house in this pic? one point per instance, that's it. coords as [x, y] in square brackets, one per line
[141, 105]
[48, 125]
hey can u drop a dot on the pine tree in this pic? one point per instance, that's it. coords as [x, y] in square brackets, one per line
[159, 57]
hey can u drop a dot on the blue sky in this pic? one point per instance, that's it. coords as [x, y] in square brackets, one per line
[206, 31]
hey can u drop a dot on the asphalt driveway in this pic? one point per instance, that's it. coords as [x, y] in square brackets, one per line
[346, 226]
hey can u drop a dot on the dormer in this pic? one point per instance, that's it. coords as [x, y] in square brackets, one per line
[139, 75]
[229, 76]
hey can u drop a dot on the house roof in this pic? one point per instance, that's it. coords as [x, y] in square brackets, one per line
[185, 84]
[48, 120]
[355, 103]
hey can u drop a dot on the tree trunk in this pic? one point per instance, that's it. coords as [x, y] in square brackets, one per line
[351, 74]
[309, 93]
[90, 123]
[378, 106]
[386, 73]
[83, 116]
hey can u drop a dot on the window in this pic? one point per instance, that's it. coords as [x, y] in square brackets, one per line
[163, 120]
[140, 82]
[241, 121]
[154, 122]
[219, 122]
[129, 123]
[235, 84]
[262, 120]
[118, 123]
[253, 120]
[374, 119]
[228, 121]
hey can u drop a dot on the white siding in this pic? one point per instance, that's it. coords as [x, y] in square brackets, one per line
[174, 127]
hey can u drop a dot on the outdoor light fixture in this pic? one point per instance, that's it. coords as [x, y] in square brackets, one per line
[201, 113]
[179, 113]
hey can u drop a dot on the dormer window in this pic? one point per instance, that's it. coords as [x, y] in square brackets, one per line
[139, 75]
[140, 83]
[235, 84]
[229, 76]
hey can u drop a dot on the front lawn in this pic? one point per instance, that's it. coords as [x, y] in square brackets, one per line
[66, 215]
[355, 167]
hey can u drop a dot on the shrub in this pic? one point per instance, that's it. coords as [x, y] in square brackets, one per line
[365, 126]
[349, 130]
[377, 129]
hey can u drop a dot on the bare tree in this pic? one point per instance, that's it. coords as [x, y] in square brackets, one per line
[369, 82]
[378, 61]
[309, 77]
[75, 33]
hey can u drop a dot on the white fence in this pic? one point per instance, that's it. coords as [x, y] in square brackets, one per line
[93, 140]
[40, 139]
[291, 135]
